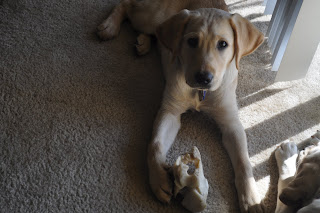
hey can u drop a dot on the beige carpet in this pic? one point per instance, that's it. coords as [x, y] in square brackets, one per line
[76, 113]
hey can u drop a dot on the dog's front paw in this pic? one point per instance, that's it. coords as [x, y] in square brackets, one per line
[250, 203]
[286, 156]
[249, 199]
[108, 29]
[161, 183]
[143, 44]
[315, 139]
[253, 208]
[286, 151]
[317, 135]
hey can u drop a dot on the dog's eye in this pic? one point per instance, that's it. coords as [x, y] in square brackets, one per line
[222, 45]
[193, 42]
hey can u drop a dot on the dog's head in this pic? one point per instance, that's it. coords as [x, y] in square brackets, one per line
[206, 41]
[306, 184]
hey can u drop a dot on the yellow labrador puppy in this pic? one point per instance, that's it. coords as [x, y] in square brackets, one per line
[298, 187]
[201, 45]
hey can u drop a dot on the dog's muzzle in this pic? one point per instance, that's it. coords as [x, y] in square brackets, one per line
[201, 80]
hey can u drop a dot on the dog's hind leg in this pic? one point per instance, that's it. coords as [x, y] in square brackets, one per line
[111, 26]
[286, 156]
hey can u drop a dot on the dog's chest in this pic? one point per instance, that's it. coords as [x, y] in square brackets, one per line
[196, 99]
[187, 97]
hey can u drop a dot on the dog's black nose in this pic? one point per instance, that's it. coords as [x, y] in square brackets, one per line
[203, 78]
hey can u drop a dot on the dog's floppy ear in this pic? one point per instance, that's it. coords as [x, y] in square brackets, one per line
[304, 186]
[247, 37]
[292, 196]
[169, 33]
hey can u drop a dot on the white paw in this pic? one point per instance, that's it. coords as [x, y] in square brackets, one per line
[317, 135]
[108, 29]
[160, 183]
[286, 156]
[143, 44]
[315, 139]
[286, 151]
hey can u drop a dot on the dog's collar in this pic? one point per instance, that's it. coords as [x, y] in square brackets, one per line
[202, 95]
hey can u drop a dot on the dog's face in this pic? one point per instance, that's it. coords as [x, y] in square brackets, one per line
[206, 41]
[206, 50]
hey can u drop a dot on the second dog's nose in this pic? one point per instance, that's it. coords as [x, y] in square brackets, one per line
[203, 77]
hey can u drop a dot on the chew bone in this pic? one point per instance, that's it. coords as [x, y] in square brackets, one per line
[193, 187]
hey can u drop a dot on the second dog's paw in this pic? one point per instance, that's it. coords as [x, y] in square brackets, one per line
[286, 151]
[317, 135]
[108, 29]
[161, 184]
[315, 139]
[143, 44]
[286, 156]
